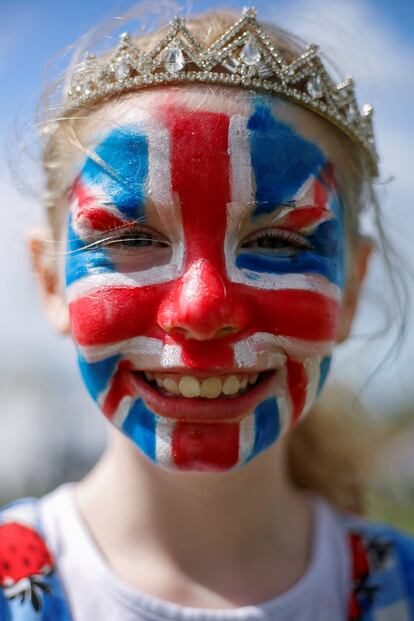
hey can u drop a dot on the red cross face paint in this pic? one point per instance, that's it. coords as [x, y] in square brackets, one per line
[204, 276]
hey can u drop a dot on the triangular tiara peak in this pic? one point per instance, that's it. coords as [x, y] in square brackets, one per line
[244, 56]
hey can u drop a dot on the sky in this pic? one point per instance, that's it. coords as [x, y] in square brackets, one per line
[370, 39]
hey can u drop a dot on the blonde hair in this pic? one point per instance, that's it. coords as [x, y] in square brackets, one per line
[325, 450]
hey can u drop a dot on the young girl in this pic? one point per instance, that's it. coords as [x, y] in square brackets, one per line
[204, 185]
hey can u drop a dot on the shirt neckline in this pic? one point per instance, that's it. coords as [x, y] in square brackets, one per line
[156, 609]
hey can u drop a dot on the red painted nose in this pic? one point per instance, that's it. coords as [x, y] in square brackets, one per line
[200, 307]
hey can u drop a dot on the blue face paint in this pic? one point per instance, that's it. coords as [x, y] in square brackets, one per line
[267, 426]
[306, 262]
[80, 263]
[121, 181]
[324, 370]
[124, 175]
[97, 375]
[140, 425]
[282, 160]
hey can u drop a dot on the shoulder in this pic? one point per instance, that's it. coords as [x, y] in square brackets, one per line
[29, 584]
[382, 565]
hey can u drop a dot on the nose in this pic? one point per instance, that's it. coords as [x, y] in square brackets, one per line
[200, 307]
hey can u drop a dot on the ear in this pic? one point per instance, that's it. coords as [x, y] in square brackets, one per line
[361, 252]
[46, 267]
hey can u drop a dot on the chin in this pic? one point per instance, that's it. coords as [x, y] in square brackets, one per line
[213, 446]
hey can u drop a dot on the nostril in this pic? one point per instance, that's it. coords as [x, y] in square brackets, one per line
[227, 330]
[175, 330]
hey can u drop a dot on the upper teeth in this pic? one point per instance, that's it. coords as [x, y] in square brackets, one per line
[209, 387]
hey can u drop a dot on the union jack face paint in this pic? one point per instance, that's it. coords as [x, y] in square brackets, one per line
[204, 274]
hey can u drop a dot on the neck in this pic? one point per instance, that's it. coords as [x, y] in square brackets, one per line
[237, 517]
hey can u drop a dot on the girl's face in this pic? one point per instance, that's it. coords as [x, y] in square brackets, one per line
[205, 273]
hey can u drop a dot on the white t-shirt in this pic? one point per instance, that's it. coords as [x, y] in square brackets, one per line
[94, 591]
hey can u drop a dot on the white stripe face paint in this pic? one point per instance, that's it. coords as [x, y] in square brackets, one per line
[301, 349]
[304, 198]
[166, 204]
[159, 170]
[246, 439]
[312, 367]
[242, 191]
[283, 398]
[164, 430]
[88, 285]
[122, 411]
[152, 351]
[172, 357]
[242, 182]
[285, 412]
[260, 350]
[298, 282]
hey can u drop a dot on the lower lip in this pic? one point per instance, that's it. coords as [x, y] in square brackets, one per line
[203, 410]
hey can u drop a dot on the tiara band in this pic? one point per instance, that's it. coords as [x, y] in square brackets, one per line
[244, 56]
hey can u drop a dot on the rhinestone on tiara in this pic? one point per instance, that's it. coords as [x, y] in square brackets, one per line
[244, 56]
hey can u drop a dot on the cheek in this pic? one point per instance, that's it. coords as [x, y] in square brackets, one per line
[295, 314]
[105, 303]
[114, 314]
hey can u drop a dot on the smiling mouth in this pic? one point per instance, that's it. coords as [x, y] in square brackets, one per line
[203, 398]
[191, 387]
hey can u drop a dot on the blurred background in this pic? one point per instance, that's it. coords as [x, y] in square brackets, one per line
[49, 429]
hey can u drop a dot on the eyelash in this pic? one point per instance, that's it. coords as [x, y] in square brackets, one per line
[143, 239]
[292, 239]
[134, 237]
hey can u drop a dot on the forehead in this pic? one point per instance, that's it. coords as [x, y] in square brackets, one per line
[287, 144]
[251, 139]
[144, 107]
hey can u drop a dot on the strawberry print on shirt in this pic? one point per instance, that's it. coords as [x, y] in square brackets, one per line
[25, 562]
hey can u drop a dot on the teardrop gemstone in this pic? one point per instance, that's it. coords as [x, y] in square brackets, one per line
[315, 87]
[250, 53]
[174, 61]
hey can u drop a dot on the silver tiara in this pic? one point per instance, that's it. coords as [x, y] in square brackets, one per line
[244, 56]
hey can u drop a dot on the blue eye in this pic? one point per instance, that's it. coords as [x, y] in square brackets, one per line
[276, 241]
